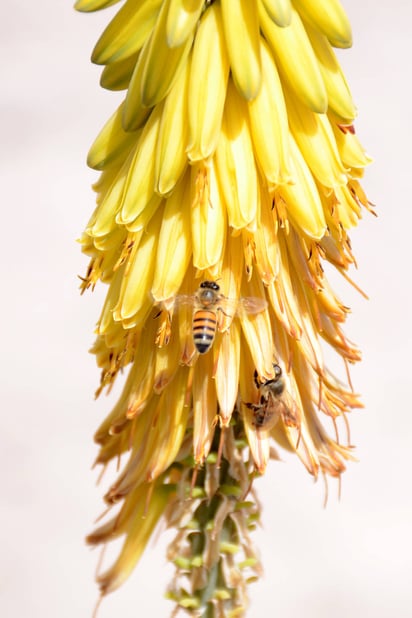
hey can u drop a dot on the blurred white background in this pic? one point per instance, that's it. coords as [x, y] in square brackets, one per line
[353, 558]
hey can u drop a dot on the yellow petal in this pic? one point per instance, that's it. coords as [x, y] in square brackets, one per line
[235, 164]
[175, 244]
[208, 218]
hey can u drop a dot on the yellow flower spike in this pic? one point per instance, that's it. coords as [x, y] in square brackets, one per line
[181, 20]
[329, 17]
[238, 168]
[139, 532]
[139, 185]
[280, 11]
[204, 407]
[269, 124]
[316, 141]
[241, 27]
[235, 164]
[117, 75]
[162, 63]
[170, 157]
[209, 74]
[227, 372]
[134, 299]
[127, 31]
[208, 217]
[339, 97]
[303, 204]
[295, 59]
[175, 244]
[111, 144]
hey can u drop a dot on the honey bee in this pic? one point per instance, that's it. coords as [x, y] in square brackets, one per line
[209, 305]
[274, 402]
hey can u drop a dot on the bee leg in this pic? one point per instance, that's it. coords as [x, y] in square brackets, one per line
[252, 406]
[221, 315]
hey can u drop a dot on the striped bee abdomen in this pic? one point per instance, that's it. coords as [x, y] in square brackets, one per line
[204, 329]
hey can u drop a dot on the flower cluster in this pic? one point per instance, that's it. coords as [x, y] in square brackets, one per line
[229, 177]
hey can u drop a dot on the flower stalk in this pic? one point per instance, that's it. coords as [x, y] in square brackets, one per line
[229, 176]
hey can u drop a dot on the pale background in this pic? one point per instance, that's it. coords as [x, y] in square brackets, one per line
[352, 559]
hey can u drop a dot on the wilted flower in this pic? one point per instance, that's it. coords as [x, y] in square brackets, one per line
[229, 176]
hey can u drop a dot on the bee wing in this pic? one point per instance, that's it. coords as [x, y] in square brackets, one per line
[251, 304]
[289, 410]
[229, 306]
[184, 300]
[268, 413]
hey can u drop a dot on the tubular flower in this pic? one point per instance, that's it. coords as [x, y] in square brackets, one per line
[229, 176]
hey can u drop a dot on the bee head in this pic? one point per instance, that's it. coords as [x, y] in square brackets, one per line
[278, 371]
[210, 285]
[259, 381]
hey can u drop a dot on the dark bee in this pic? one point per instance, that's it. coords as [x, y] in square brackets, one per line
[274, 402]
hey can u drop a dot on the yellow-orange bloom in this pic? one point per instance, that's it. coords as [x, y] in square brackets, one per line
[229, 176]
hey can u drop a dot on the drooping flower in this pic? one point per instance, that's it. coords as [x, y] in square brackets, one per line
[229, 177]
